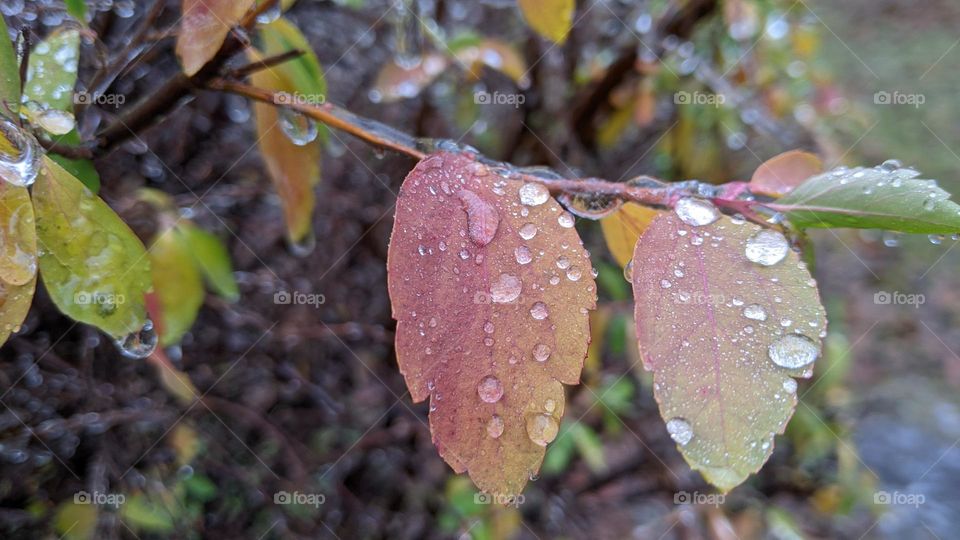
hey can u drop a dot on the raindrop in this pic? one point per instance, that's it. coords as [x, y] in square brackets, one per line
[487, 327]
[539, 311]
[303, 246]
[891, 165]
[533, 194]
[628, 272]
[766, 247]
[523, 255]
[679, 430]
[20, 157]
[935, 239]
[665, 284]
[891, 239]
[140, 344]
[482, 217]
[542, 428]
[563, 263]
[574, 274]
[549, 405]
[696, 212]
[790, 385]
[755, 312]
[506, 289]
[541, 352]
[270, 14]
[793, 351]
[565, 220]
[528, 231]
[298, 128]
[495, 426]
[490, 390]
[55, 122]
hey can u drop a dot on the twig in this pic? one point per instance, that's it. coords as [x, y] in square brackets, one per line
[268, 62]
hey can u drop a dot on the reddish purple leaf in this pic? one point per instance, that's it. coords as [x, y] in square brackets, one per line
[727, 315]
[491, 289]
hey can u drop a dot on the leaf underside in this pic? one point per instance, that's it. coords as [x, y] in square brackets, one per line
[872, 198]
[712, 364]
[474, 298]
[622, 228]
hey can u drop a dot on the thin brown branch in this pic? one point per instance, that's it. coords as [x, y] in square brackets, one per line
[67, 150]
[266, 63]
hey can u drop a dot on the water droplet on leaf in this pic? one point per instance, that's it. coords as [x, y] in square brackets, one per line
[679, 430]
[696, 212]
[298, 128]
[533, 194]
[542, 429]
[20, 154]
[767, 247]
[490, 390]
[793, 351]
[140, 344]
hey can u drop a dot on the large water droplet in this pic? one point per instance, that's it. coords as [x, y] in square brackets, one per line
[767, 247]
[528, 231]
[138, 345]
[20, 155]
[696, 212]
[891, 165]
[542, 428]
[298, 128]
[523, 255]
[55, 121]
[495, 426]
[304, 246]
[565, 220]
[533, 194]
[539, 311]
[506, 289]
[755, 312]
[793, 351]
[679, 430]
[541, 352]
[490, 390]
[482, 217]
[628, 272]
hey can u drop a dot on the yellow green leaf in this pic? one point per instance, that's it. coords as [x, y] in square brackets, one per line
[18, 237]
[304, 72]
[15, 302]
[177, 283]
[212, 259]
[551, 19]
[622, 228]
[9, 74]
[75, 521]
[95, 269]
[203, 29]
[294, 169]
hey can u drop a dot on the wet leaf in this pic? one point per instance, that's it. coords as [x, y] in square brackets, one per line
[147, 514]
[75, 521]
[294, 169]
[9, 74]
[782, 173]
[203, 29]
[304, 72]
[492, 299]
[723, 335]
[552, 19]
[177, 284]
[50, 83]
[15, 302]
[95, 269]
[622, 228]
[883, 197]
[18, 237]
[212, 259]
[396, 82]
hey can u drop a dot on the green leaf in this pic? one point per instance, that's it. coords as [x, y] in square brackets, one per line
[212, 258]
[9, 74]
[18, 257]
[883, 197]
[50, 81]
[552, 19]
[95, 269]
[74, 521]
[77, 9]
[144, 514]
[177, 283]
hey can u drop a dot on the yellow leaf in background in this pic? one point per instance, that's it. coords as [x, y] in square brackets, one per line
[177, 283]
[622, 228]
[396, 82]
[496, 55]
[552, 19]
[780, 174]
[294, 169]
[74, 521]
[203, 29]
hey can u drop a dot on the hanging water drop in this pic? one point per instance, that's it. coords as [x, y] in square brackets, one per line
[138, 345]
[542, 429]
[891, 165]
[298, 128]
[767, 248]
[628, 272]
[20, 154]
[302, 247]
[935, 239]
[793, 351]
[680, 430]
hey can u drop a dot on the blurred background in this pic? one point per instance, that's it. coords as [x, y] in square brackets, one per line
[307, 399]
